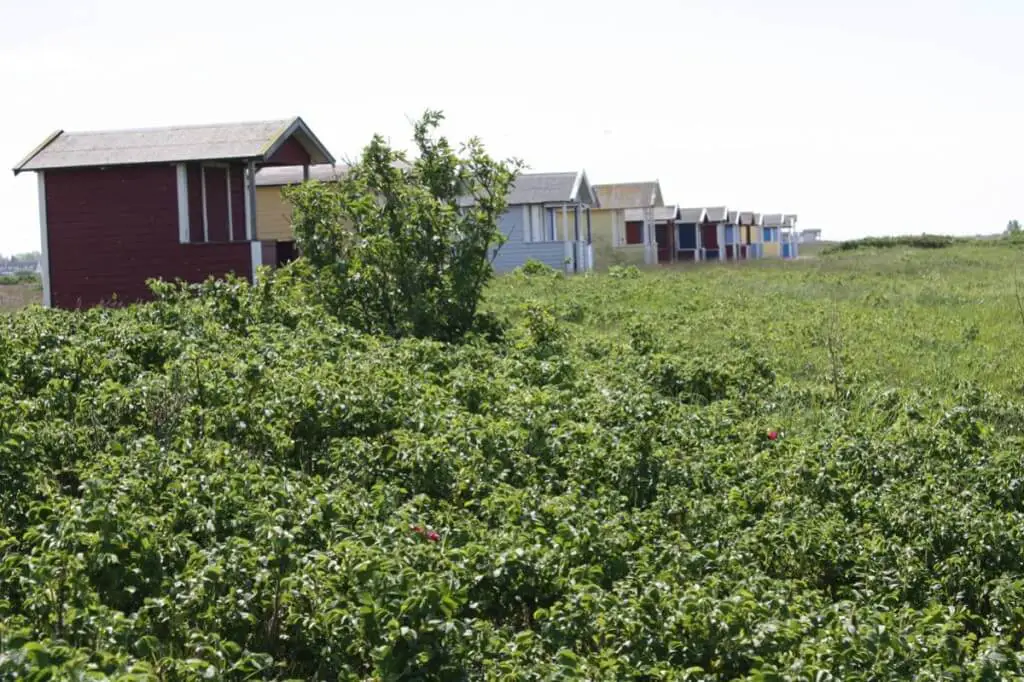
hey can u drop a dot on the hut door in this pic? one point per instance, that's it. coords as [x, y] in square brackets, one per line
[661, 237]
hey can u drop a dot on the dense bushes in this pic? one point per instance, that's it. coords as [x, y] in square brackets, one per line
[924, 241]
[19, 278]
[230, 483]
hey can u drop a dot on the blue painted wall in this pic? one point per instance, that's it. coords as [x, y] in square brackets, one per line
[515, 251]
[686, 236]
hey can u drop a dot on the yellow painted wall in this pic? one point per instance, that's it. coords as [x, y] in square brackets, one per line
[565, 230]
[273, 215]
[752, 234]
[602, 225]
[772, 250]
[606, 254]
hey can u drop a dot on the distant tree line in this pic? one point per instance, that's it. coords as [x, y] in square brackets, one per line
[27, 257]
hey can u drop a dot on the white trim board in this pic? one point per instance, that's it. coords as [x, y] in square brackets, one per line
[256, 258]
[250, 199]
[44, 241]
[184, 234]
[206, 220]
[231, 224]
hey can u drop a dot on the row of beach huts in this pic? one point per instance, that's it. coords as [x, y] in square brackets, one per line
[560, 219]
[118, 207]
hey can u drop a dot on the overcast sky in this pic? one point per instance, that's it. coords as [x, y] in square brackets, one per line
[864, 117]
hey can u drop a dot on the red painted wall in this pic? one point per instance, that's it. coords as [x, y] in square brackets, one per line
[709, 235]
[217, 204]
[215, 176]
[195, 202]
[238, 202]
[109, 230]
[291, 153]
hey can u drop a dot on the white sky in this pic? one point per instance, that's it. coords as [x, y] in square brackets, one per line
[862, 116]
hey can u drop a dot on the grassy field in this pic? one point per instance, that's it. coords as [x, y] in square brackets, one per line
[799, 470]
[900, 317]
[17, 296]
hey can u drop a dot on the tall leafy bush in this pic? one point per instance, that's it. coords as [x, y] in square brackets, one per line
[405, 248]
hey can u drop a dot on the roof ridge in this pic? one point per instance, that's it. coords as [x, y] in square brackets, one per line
[187, 126]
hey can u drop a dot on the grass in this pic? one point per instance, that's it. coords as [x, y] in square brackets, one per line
[920, 318]
[17, 296]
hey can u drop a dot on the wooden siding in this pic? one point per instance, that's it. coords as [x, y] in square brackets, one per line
[291, 153]
[514, 254]
[516, 251]
[687, 236]
[216, 204]
[273, 215]
[195, 203]
[110, 230]
[709, 236]
[237, 171]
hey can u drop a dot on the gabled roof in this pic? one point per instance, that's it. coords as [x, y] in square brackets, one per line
[629, 194]
[734, 218]
[718, 214]
[789, 220]
[669, 213]
[750, 218]
[255, 141]
[548, 188]
[773, 220]
[658, 214]
[691, 216]
[551, 188]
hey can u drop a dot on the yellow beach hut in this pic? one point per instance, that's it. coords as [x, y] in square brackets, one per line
[619, 239]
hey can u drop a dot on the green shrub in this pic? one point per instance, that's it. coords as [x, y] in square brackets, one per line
[535, 268]
[624, 272]
[19, 278]
[232, 483]
[925, 241]
[405, 248]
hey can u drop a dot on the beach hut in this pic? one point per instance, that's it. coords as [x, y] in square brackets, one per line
[689, 223]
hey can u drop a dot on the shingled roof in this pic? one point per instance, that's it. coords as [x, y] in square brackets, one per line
[629, 194]
[691, 216]
[256, 141]
[548, 188]
[545, 188]
[718, 214]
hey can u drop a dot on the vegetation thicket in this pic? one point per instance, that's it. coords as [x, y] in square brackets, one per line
[773, 471]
